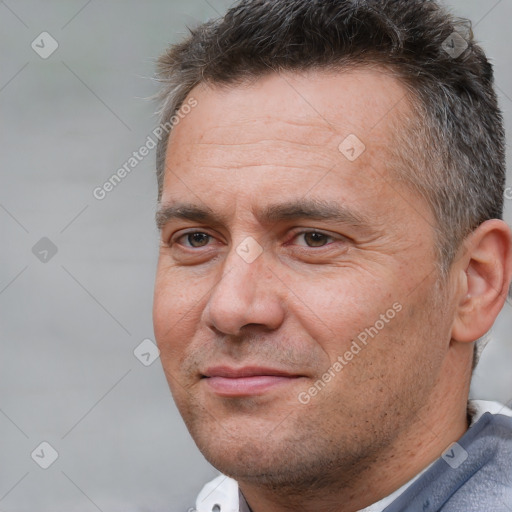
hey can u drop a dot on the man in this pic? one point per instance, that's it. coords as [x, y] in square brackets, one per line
[331, 251]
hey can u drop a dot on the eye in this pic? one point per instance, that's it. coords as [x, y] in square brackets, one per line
[313, 238]
[194, 239]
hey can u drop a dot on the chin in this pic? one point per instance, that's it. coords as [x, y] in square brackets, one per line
[272, 455]
[278, 468]
[244, 447]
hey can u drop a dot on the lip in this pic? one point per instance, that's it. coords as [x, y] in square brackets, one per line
[249, 380]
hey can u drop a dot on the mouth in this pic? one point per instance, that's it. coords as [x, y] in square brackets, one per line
[247, 381]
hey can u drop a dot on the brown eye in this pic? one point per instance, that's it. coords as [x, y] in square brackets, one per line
[197, 239]
[315, 239]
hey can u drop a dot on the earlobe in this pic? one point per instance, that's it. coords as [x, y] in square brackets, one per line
[485, 278]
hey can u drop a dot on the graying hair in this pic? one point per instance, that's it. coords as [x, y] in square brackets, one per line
[450, 147]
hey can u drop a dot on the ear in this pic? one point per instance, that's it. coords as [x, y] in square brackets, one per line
[484, 272]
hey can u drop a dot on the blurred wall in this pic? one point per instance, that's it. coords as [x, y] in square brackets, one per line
[77, 271]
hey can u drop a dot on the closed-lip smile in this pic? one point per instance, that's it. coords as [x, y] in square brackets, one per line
[246, 381]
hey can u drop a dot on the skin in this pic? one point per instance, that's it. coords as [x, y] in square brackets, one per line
[401, 400]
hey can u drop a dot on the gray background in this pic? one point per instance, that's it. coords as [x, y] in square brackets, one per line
[69, 325]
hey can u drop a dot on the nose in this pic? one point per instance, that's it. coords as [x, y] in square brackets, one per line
[246, 294]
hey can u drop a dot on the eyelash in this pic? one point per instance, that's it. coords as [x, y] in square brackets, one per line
[297, 234]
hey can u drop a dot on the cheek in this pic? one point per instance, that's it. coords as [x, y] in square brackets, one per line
[176, 310]
[336, 309]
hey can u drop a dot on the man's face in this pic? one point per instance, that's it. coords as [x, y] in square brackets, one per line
[257, 301]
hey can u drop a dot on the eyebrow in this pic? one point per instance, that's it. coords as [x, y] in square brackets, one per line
[312, 209]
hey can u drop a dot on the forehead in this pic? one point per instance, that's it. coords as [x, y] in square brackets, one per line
[363, 100]
[284, 133]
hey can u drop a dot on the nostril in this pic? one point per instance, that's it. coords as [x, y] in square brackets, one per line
[216, 508]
